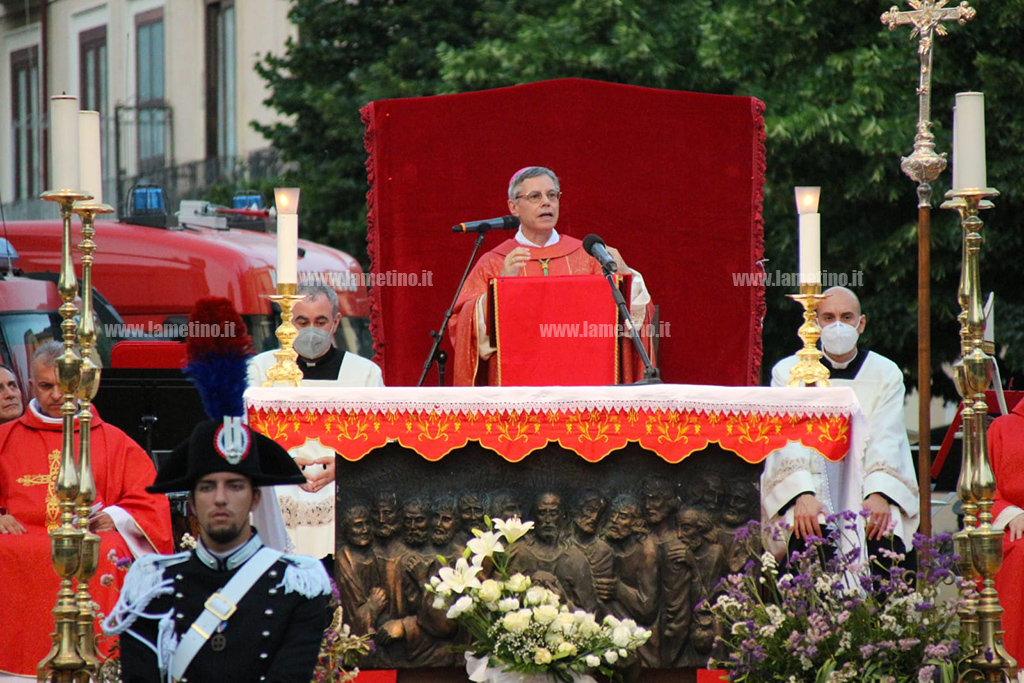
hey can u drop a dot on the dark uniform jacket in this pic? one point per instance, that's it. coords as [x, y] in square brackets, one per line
[273, 636]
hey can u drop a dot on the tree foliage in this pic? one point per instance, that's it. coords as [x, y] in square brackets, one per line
[841, 111]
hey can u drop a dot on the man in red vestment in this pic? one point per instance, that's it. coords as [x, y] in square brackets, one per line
[129, 521]
[537, 250]
[10, 396]
[1006, 451]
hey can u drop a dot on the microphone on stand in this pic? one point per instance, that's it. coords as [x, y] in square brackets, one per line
[500, 223]
[595, 246]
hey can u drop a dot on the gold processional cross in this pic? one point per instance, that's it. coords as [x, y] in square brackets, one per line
[50, 480]
[924, 165]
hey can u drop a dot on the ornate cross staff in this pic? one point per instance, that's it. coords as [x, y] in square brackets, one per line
[924, 166]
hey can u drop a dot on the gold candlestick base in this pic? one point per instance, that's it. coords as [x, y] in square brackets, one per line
[285, 370]
[809, 370]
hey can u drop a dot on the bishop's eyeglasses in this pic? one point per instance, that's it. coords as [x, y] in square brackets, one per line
[535, 197]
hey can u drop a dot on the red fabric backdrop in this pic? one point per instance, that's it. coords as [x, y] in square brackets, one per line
[673, 179]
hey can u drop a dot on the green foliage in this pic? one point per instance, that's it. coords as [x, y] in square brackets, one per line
[841, 112]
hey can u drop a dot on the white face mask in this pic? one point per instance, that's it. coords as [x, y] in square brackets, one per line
[839, 338]
[312, 342]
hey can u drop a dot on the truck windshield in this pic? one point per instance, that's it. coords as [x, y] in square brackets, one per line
[22, 333]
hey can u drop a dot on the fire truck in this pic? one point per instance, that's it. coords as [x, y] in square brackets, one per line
[149, 269]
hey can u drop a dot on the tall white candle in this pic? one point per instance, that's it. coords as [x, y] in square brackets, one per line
[956, 152]
[287, 248]
[810, 248]
[286, 200]
[90, 173]
[809, 234]
[970, 127]
[64, 142]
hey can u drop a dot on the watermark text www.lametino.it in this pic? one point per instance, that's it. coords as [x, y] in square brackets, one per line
[781, 279]
[351, 282]
[192, 329]
[588, 330]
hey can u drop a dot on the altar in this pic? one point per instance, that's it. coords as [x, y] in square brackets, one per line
[672, 421]
[421, 467]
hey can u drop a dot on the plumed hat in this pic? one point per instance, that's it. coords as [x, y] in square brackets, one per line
[216, 446]
[217, 366]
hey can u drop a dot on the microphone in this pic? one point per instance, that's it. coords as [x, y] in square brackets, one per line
[594, 246]
[500, 223]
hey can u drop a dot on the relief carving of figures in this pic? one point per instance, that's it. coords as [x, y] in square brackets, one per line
[420, 635]
[547, 550]
[588, 519]
[444, 520]
[647, 544]
[697, 533]
[637, 591]
[355, 570]
[472, 505]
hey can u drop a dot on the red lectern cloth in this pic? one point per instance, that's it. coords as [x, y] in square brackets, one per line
[672, 179]
[673, 421]
[558, 331]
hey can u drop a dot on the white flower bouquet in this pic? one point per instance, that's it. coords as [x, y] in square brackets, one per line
[519, 629]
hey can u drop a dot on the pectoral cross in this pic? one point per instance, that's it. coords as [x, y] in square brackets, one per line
[50, 480]
[924, 165]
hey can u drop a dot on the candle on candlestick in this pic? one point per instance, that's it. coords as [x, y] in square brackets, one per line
[89, 159]
[64, 142]
[956, 152]
[287, 201]
[969, 141]
[810, 234]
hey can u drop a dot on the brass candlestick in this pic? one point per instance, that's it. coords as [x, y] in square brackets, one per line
[809, 370]
[977, 485]
[64, 662]
[87, 388]
[285, 370]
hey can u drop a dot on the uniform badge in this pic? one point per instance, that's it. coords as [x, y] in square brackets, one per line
[232, 440]
[219, 641]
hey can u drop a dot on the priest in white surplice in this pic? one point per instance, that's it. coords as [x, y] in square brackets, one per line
[308, 510]
[799, 487]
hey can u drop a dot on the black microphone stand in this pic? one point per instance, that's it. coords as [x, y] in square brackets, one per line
[651, 373]
[435, 350]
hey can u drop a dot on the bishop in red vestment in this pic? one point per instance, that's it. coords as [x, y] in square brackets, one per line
[1006, 451]
[536, 251]
[129, 521]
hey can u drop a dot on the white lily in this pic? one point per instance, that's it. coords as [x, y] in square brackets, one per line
[461, 577]
[485, 545]
[513, 528]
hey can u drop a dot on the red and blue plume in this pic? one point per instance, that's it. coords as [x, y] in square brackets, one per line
[218, 351]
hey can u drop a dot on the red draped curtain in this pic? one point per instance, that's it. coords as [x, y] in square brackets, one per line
[672, 179]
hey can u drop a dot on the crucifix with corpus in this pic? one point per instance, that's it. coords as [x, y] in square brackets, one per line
[923, 166]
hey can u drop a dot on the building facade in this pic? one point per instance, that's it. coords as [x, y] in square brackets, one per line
[173, 80]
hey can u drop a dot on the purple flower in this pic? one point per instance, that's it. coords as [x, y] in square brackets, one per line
[908, 643]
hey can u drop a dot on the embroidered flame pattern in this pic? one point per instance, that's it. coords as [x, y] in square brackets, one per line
[592, 434]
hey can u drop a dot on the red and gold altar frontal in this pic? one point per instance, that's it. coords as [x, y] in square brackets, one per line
[672, 421]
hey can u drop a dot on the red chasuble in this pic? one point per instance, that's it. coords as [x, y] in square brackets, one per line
[567, 257]
[1006, 451]
[29, 462]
